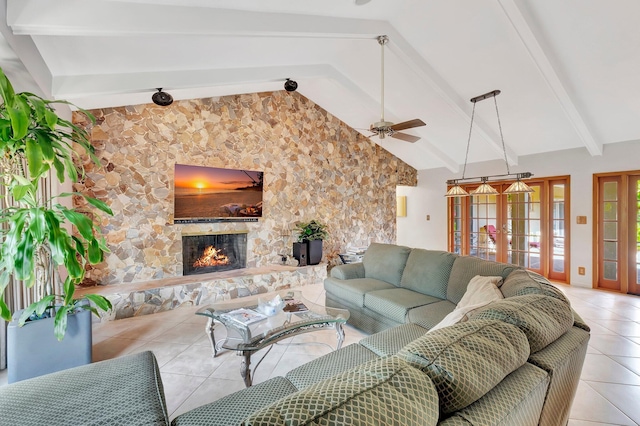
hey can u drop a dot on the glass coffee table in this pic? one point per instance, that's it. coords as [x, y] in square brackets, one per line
[248, 332]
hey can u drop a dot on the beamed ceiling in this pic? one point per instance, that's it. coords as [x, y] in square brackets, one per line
[568, 70]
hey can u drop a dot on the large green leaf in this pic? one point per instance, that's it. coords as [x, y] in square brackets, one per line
[60, 322]
[51, 119]
[6, 89]
[82, 222]
[34, 158]
[39, 107]
[69, 289]
[71, 262]
[95, 253]
[38, 225]
[59, 169]
[100, 301]
[44, 141]
[37, 307]
[24, 262]
[19, 191]
[5, 313]
[99, 204]
[18, 113]
[57, 237]
[79, 245]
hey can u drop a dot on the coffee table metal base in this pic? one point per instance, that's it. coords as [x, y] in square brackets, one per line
[245, 365]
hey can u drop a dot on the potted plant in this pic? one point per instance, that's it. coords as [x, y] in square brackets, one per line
[36, 245]
[310, 234]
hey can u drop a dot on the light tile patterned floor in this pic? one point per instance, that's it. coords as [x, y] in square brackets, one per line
[608, 394]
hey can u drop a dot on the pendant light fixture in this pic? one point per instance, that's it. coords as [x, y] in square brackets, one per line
[518, 187]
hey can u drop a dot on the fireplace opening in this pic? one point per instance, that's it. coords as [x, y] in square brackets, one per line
[202, 254]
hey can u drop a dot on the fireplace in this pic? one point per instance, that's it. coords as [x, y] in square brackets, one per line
[202, 254]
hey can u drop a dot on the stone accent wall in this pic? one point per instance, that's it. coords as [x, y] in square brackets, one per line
[315, 167]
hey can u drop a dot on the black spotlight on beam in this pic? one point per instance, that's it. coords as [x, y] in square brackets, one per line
[290, 85]
[162, 98]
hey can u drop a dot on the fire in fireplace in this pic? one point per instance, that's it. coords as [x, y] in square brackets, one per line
[211, 253]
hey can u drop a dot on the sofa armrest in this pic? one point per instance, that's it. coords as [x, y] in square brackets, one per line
[125, 390]
[348, 271]
[579, 322]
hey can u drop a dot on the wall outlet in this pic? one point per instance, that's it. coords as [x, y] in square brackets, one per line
[581, 270]
[428, 217]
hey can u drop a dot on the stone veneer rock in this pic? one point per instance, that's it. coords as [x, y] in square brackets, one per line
[315, 167]
[151, 297]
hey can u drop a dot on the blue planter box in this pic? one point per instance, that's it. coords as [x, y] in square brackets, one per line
[33, 350]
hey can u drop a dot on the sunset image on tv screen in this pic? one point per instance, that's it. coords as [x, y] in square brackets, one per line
[210, 192]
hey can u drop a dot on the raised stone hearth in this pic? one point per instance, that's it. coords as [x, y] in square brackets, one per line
[143, 298]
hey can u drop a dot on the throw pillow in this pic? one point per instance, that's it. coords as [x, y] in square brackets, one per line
[522, 282]
[480, 292]
[467, 360]
[542, 318]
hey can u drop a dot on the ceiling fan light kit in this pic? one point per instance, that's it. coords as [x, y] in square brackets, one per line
[385, 128]
[518, 187]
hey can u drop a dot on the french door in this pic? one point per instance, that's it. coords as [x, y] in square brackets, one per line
[617, 231]
[528, 230]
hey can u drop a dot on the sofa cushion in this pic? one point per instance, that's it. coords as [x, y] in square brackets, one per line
[542, 318]
[386, 391]
[480, 292]
[385, 262]
[233, 408]
[427, 272]
[467, 267]
[394, 303]
[121, 391]
[466, 360]
[353, 291]
[329, 365]
[429, 315]
[390, 341]
[518, 400]
[521, 282]
[348, 271]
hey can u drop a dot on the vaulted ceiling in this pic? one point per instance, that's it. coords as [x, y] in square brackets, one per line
[568, 70]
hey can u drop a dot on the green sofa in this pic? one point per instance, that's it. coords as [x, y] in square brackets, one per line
[515, 361]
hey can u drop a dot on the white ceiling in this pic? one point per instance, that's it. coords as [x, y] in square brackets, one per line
[568, 70]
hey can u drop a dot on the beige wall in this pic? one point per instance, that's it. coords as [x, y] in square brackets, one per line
[315, 166]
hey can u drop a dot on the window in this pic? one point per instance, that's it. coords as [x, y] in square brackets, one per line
[529, 230]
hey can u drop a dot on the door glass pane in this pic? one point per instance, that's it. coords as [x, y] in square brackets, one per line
[482, 238]
[457, 225]
[610, 271]
[524, 228]
[610, 210]
[611, 250]
[610, 191]
[558, 228]
[610, 230]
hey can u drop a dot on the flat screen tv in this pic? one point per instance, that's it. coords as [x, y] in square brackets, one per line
[211, 194]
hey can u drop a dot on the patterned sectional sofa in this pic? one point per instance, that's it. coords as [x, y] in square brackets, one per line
[515, 361]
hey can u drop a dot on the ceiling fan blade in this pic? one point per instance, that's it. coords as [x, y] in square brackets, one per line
[405, 137]
[408, 124]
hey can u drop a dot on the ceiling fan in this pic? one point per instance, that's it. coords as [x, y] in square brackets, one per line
[386, 128]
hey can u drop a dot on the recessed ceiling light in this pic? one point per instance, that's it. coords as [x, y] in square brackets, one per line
[361, 2]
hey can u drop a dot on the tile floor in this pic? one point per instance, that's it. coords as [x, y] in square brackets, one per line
[608, 393]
